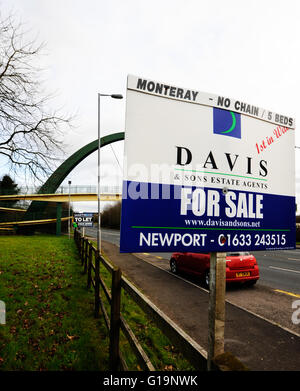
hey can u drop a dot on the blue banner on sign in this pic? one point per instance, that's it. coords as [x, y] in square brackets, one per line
[197, 219]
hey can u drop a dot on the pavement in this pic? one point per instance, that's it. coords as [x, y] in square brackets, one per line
[260, 344]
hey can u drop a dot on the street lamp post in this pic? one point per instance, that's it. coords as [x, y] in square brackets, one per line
[69, 222]
[114, 96]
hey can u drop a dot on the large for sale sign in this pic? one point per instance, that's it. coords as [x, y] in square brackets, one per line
[205, 173]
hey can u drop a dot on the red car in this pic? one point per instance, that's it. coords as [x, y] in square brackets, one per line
[240, 266]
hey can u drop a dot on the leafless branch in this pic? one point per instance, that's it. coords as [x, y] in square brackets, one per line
[30, 134]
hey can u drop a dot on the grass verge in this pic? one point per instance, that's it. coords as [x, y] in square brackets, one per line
[49, 312]
[161, 352]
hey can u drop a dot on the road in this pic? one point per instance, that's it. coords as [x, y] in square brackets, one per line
[279, 270]
[258, 326]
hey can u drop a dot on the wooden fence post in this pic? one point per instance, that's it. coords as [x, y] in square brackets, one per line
[89, 267]
[115, 323]
[78, 242]
[77, 239]
[80, 245]
[216, 309]
[97, 284]
[87, 246]
[82, 250]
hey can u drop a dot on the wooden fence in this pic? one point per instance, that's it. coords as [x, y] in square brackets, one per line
[190, 349]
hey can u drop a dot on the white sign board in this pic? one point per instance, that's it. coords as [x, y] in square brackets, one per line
[205, 173]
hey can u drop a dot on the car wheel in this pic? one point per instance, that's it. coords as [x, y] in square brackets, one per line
[173, 266]
[206, 279]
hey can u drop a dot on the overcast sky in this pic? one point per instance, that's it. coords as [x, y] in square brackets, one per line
[244, 50]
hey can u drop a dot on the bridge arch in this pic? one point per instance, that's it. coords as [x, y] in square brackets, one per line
[36, 208]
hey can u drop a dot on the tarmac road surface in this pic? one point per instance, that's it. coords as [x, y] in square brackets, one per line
[278, 269]
[261, 344]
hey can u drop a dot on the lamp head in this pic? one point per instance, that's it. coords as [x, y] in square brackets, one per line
[117, 96]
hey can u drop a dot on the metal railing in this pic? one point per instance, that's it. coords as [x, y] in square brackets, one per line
[116, 189]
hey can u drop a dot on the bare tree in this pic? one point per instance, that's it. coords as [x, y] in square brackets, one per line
[29, 132]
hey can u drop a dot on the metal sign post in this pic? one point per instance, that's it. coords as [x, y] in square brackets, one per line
[216, 308]
[69, 221]
[58, 218]
[98, 183]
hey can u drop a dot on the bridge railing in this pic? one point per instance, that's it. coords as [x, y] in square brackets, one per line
[89, 189]
[115, 189]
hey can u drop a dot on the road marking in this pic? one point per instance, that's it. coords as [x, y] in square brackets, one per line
[154, 264]
[93, 232]
[286, 293]
[227, 300]
[110, 233]
[159, 257]
[146, 253]
[286, 270]
[294, 259]
[263, 318]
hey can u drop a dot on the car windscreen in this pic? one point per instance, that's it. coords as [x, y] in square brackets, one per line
[237, 254]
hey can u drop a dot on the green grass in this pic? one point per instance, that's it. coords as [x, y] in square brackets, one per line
[163, 355]
[49, 312]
